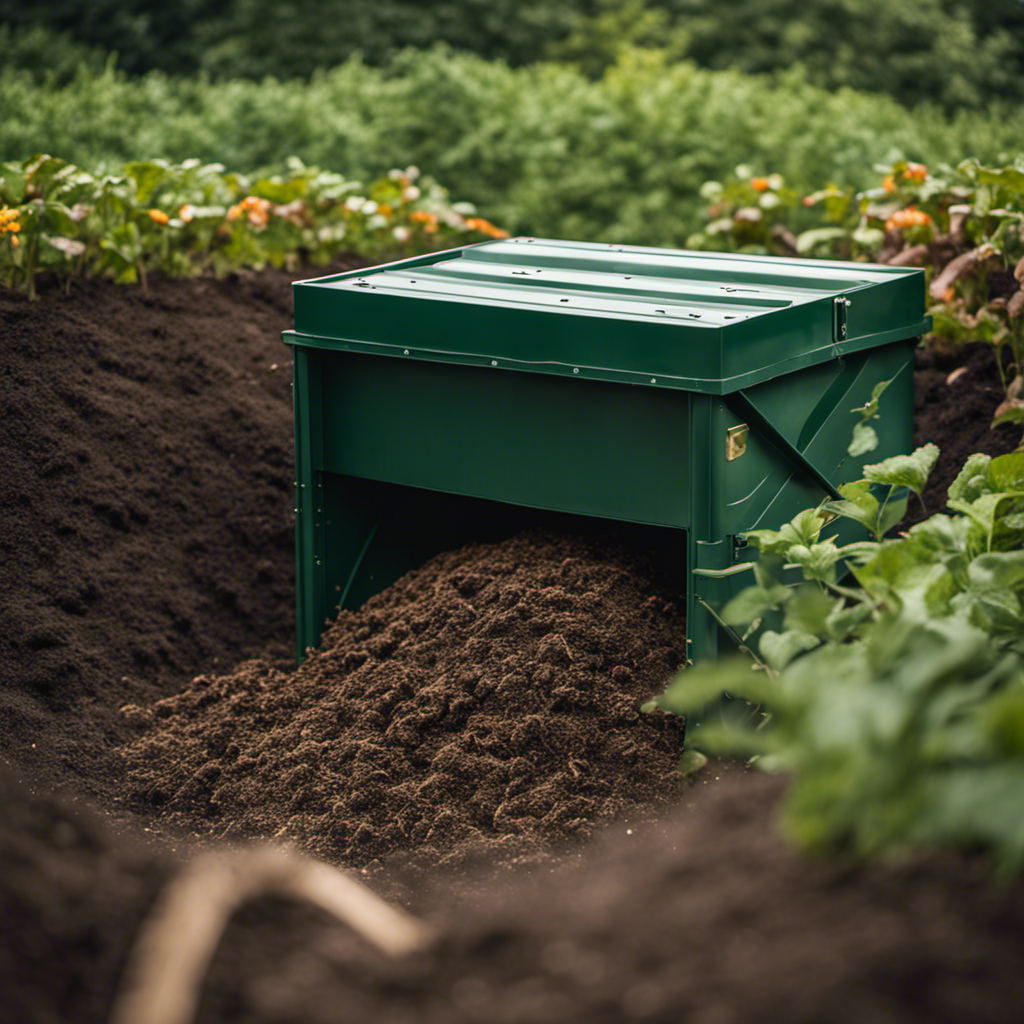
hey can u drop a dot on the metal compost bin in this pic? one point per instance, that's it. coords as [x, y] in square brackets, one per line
[687, 396]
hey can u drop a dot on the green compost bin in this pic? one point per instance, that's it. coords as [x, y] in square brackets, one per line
[687, 396]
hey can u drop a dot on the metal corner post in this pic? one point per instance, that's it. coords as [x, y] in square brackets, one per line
[311, 603]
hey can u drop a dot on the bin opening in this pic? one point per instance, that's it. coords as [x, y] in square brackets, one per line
[377, 532]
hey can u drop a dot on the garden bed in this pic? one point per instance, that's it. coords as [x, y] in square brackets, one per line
[148, 552]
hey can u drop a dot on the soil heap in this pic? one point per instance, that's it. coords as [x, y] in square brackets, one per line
[487, 702]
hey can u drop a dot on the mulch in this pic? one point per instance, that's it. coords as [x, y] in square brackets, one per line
[469, 741]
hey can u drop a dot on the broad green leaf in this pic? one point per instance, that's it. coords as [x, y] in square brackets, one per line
[981, 511]
[12, 184]
[905, 470]
[1010, 178]
[808, 241]
[41, 171]
[971, 479]
[752, 602]
[816, 560]
[995, 610]
[809, 610]
[861, 550]
[802, 529]
[870, 238]
[845, 620]
[279, 191]
[147, 175]
[1003, 721]
[1006, 472]
[922, 588]
[692, 761]
[857, 503]
[997, 570]
[703, 683]
[779, 649]
[941, 537]
[865, 439]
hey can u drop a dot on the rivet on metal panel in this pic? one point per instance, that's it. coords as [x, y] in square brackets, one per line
[494, 362]
[406, 352]
[575, 369]
[736, 441]
[654, 380]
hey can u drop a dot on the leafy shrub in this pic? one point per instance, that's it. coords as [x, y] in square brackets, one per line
[915, 51]
[896, 700]
[186, 218]
[538, 148]
[957, 54]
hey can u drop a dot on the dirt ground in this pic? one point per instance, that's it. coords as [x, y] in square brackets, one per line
[468, 743]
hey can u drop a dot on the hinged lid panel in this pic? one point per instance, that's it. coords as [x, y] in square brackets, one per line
[693, 320]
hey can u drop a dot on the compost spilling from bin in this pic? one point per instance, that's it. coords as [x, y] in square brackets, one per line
[487, 703]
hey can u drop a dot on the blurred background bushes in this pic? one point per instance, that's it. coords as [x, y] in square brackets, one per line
[957, 53]
[596, 119]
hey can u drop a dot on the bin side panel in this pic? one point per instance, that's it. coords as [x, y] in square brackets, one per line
[593, 448]
[812, 409]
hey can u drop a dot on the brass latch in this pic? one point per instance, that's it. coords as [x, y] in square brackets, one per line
[736, 441]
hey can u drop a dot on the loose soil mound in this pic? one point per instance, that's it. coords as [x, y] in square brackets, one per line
[147, 528]
[486, 703]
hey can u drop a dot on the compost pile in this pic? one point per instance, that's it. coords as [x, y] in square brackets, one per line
[485, 708]
[486, 703]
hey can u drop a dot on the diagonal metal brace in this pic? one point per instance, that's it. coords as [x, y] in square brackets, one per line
[740, 404]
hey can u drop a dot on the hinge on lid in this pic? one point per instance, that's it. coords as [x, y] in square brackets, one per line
[839, 309]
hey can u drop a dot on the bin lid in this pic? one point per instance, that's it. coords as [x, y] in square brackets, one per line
[698, 321]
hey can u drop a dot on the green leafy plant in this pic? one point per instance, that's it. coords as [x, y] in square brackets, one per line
[896, 698]
[188, 218]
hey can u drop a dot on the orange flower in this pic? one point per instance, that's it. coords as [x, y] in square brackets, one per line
[485, 227]
[256, 210]
[14, 241]
[187, 212]
[9, 222]
[911, 217]
[427, 219]
[888, 183]
[158, 216]
[947, 295]
[760, 184]
[915, 172]
[385, 209]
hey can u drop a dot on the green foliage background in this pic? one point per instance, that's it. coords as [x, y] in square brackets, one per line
[540, 149]
[959, 53]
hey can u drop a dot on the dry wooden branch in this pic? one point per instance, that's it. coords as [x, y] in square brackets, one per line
[166, 967]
